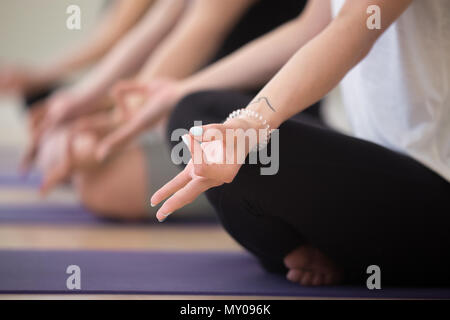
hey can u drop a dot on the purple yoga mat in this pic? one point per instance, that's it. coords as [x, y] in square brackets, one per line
[14, 180]
[51, 213]
[181, 273]
[70, 214]
[46, 214]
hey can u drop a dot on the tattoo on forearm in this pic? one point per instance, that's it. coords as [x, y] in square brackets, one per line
[266, 100]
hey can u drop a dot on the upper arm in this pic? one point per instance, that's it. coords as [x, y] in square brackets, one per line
[120, 18]
[316, 14]
[354, 14]
[220, 12]
[124, 14]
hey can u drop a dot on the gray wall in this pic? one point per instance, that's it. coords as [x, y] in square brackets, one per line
[32, 30]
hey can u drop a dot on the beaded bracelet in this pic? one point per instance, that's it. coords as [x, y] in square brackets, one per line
[242, 113]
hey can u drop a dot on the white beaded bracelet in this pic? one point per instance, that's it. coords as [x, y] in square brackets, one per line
[242, 113]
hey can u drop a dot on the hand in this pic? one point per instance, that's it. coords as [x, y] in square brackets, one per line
[63, 106]
[44, 118]
[60, 108]
[36, 116]
[131, 95]
[160, 96]
[79, 149]
[16, 79]
[210, 165]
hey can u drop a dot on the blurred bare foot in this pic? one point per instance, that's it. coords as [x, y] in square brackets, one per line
[309, 267]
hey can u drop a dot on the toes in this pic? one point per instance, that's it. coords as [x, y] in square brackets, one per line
[310, 278]
[298, 258]
[317, 280]
[294, 275]
[307, 278]
[290, 260]
[308, 266]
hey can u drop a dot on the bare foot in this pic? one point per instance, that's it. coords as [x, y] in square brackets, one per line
[309, 267]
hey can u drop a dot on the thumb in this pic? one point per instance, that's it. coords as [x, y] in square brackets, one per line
[146, 117]
[56, 175]
[208, 132]
[115, 140]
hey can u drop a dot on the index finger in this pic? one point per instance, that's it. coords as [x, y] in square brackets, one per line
[170, 187]
[147, 116]
[125, 87]
[184, 196]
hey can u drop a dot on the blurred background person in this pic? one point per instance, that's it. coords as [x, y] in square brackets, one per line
[37, 81]
[118, 187]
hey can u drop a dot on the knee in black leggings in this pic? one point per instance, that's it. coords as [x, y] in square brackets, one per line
[240, 211]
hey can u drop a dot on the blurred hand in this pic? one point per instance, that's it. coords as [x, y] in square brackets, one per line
[209, 167]
[36, 116]
[79, 149]
[158, 98]
[59, 109]
[63, 106]
[43, 118]
[14, 79]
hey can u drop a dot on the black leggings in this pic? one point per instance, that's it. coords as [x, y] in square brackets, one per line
[359, 203]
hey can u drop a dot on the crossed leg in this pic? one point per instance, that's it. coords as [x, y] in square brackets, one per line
[336, 206]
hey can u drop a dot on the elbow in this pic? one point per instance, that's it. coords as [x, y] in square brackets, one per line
[358, 40]
[366, 47]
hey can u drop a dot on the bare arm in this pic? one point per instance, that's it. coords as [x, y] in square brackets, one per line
[195, 39]
[321, 64]
[313, 71]
[115, 23]
[257, 62]
[187, 47]
[249, 67]
[131, 52]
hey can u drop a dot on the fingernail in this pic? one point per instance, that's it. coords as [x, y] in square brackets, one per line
[152, 205]
[165, 215]
[196, 131]
[186, 140]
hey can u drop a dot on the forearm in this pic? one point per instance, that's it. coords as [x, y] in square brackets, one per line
[131, 52]
[257, 62]
[195, 39]
[115, 23]
[321, 64]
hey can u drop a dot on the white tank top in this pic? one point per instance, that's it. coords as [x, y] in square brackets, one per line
[398, 96]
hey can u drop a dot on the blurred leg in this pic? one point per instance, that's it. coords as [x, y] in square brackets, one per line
[117, 189]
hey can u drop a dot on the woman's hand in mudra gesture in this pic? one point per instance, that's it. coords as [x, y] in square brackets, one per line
[217, 155]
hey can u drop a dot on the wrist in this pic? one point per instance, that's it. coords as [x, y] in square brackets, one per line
[185, 87]
[243, 123]
[49, 73]
[264, 107]
[250, 120]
